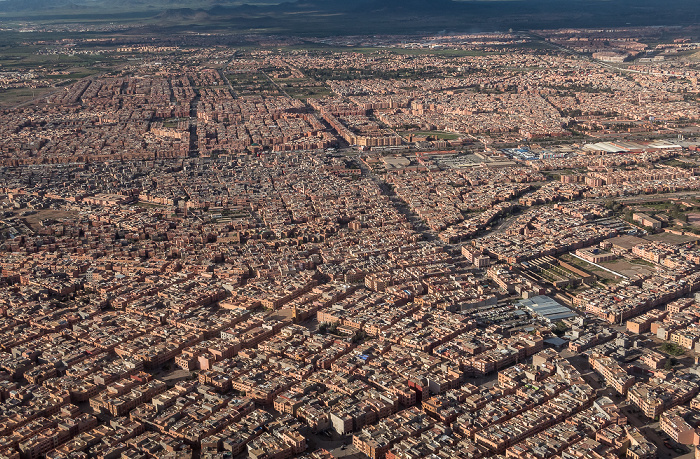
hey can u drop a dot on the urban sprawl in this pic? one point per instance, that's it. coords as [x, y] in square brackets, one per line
[458, 246]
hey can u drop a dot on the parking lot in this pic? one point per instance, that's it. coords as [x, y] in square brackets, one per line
[505, 315]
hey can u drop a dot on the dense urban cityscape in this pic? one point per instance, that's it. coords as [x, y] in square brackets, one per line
[477, 245]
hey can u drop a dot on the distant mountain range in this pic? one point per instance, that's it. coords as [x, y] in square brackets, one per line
[322, 17]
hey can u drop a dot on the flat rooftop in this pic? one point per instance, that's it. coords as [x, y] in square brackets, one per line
[547, 308]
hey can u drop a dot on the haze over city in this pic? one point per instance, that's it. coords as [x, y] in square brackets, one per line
[349, 229]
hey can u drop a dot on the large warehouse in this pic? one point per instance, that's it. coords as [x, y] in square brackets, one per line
[547, 308]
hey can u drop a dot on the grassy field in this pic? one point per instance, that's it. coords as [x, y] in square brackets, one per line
[27, 57]
[251, 83]
[440, 52]
[73, 75]
[442, 135]
[58, 69]
[681, 164]
[381, 50]
[173, 122]
[308, 92]
[303, 88]
[587, 267]
[12, 97]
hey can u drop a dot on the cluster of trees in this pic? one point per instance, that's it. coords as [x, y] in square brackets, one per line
[560, 328]
[672, 349]
[325, 327]
[614, 206]
[674, 210]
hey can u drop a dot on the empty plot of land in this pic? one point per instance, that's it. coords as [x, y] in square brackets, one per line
[694, 219]
[33, 221]
[630, 268]
[671, 238]
[626, 242]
